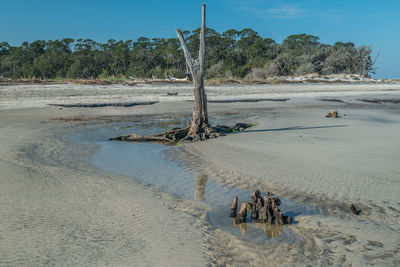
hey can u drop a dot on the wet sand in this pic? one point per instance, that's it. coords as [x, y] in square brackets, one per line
[329, 163]
[59, 209]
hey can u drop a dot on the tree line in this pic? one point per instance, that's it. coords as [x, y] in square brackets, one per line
[232, 54]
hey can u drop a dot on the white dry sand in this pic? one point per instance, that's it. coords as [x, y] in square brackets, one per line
[58, 209]
[27, 96]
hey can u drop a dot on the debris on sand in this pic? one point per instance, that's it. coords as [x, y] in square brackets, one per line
[332, 114]
[355, 210]
[263, 210]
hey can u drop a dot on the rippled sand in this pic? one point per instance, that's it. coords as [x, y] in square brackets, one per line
[58, 209]
[330, 163]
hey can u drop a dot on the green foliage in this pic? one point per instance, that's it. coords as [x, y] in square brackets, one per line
[232, 54]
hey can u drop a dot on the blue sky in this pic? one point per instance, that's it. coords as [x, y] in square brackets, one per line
[370, 22]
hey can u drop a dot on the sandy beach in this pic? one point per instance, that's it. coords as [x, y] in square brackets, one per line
[58, 208]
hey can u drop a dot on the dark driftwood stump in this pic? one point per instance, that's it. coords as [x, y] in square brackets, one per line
[263, 210]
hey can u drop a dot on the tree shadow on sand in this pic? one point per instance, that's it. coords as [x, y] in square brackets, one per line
[294, 128]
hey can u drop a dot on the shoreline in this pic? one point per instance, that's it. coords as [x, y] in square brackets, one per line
[306, 79]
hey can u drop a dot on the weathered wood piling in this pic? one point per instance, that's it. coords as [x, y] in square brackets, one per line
[263, 210]
[241, 216]
[233, 210]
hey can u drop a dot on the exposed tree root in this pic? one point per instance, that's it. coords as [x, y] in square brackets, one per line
[177, 135]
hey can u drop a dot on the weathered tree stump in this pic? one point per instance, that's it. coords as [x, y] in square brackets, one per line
[263, 210]
[233, 210]
[254, 199]
[241, 216]
[263, 214]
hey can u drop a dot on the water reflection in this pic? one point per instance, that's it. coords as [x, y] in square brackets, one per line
[200, 189]
[271, 230]
[152, 164]
[242, 226]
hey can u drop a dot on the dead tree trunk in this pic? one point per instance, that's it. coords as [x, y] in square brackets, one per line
[199, 123]
[200, 128]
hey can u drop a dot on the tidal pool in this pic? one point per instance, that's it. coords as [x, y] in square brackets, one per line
[148, 163]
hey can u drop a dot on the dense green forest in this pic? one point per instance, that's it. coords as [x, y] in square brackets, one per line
[232, 54]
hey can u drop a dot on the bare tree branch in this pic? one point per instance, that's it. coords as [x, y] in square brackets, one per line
[202, 50]
[189, 59]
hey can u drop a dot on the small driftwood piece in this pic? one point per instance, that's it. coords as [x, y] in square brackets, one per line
[333, 114]
[263, 209]
[355, 210]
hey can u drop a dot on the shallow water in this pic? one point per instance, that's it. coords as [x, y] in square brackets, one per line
[148, 163]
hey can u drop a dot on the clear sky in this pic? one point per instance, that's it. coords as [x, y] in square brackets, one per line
[370, 22]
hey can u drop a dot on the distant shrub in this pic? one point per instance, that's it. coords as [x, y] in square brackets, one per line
[305, 65]
[282, 65]
[216, 70]
[175, 73]
[258, 73]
